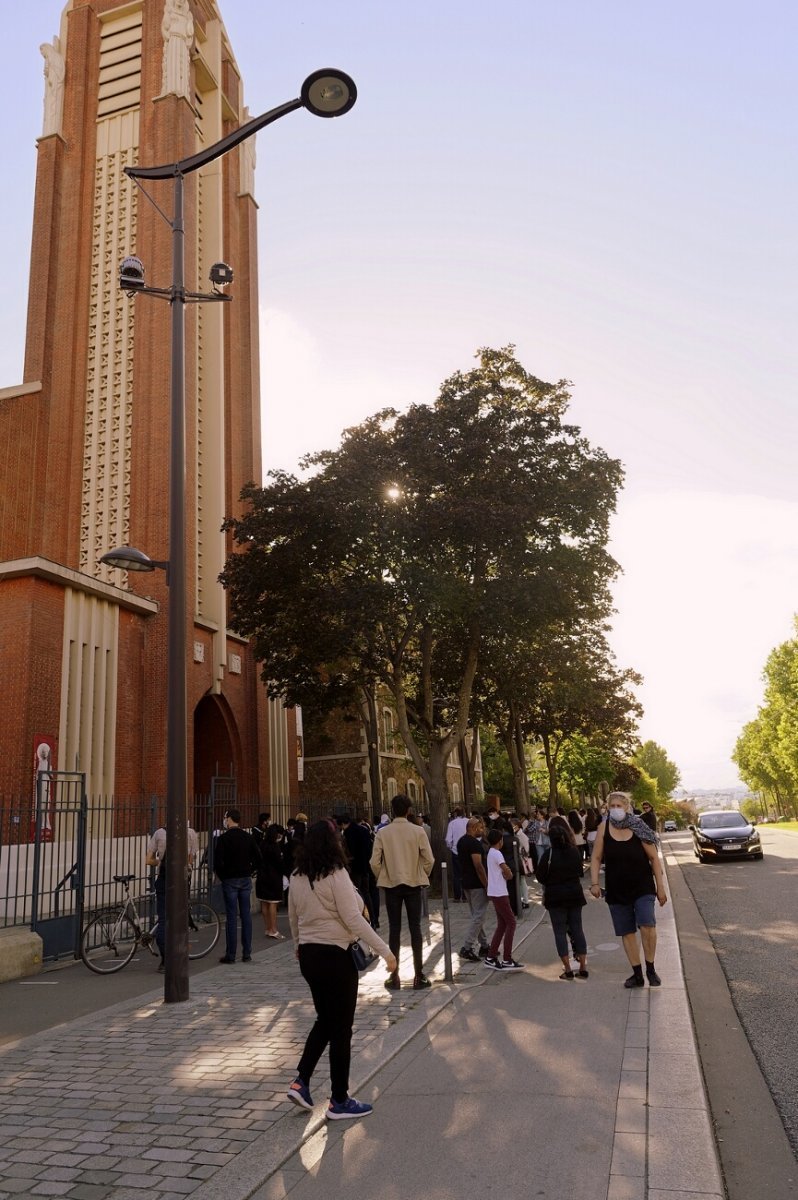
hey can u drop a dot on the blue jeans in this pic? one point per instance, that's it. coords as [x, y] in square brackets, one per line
[237, 894]
[628, 918]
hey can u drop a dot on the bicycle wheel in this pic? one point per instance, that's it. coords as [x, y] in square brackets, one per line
[108, 943]
[203, 929]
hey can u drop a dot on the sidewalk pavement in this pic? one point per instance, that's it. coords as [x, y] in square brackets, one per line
[580, 1088]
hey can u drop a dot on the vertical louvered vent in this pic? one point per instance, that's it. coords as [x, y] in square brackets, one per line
[120, 65]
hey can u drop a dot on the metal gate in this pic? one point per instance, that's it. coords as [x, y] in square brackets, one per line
[59, 855]
[224, 791]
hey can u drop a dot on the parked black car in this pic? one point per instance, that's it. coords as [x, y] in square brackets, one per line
[725, 835]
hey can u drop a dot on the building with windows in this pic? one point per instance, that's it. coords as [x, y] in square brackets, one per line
[341, 771]
[86, 433]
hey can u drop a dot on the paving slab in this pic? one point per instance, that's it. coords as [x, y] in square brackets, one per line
[457, 1066]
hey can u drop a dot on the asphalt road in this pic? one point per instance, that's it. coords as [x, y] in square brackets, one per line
[750, 909]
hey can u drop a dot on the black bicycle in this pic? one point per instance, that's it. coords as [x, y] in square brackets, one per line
[113, 935]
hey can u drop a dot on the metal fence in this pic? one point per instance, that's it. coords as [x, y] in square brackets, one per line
[60, 850]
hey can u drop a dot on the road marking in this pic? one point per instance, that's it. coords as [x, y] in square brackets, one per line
[38, 982]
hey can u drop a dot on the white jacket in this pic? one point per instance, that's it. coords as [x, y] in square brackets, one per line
[329, 913]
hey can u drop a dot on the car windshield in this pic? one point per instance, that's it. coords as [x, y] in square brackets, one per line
[729, 820]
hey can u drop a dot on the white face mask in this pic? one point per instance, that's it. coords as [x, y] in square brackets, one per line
[617, 813]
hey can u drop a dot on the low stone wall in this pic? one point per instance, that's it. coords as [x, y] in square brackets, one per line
[20, 953]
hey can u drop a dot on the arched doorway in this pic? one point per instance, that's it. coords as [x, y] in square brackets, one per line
[216, 750]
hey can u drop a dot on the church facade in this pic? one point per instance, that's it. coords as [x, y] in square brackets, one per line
[84, 646]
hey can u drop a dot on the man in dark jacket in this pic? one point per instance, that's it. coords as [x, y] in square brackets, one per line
[358, 844]
[236, 859]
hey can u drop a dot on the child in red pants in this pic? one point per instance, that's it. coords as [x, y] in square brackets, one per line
[498, 874]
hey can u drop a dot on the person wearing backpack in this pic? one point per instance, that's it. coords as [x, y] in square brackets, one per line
[559, 869]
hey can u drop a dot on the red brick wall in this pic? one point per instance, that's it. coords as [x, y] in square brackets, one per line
[23, 435]
[31, 637]
[42, 435]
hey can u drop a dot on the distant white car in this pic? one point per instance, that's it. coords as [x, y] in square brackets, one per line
[670, 827]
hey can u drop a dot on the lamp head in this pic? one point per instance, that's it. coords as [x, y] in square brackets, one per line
[328, 93]
[127, 558]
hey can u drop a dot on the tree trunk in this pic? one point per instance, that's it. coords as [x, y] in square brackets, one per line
[438, 794]
[432, 768]
[468, 761]
[518, 764]
[551, 767]
[522, 801]
[368, 713]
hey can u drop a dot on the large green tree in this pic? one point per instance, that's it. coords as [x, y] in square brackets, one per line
[766, 752]
[584, 766]
[497, 772]
[560, 683]
[653, 759]
[423, 537]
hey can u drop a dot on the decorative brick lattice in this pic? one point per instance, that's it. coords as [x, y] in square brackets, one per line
[105, 502]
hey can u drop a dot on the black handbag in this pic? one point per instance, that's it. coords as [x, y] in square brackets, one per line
[360, 957]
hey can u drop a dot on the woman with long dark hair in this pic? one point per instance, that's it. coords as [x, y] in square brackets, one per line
[559, 869]
[269, 879]
[592, 822]
[326, 916]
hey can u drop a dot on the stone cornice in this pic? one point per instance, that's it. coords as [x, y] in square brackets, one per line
[19, 389]
[42, 568]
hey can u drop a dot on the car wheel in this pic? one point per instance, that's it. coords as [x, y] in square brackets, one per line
[759, 857]
[702, 858]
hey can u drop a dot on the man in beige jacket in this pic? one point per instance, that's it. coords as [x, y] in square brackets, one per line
[401, 861]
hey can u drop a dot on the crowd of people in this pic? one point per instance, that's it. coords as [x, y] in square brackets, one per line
[336, 874]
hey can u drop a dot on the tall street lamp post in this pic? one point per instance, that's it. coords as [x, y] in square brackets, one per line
[325, 93]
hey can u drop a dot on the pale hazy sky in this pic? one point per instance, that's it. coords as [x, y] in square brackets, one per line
[610, 186]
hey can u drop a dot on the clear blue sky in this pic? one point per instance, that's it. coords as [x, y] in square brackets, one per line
[610, 186]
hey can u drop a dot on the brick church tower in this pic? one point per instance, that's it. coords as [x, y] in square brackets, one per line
[86, 435]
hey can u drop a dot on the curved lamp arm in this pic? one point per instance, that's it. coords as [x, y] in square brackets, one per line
[326, 93]
[195, 161]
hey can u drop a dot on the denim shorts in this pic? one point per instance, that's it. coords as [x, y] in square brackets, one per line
[628, 918]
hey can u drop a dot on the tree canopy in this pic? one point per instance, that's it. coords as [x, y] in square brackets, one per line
[429, 540]
[654, 761]
[766, 751]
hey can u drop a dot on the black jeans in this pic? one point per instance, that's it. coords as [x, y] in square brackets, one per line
[332, 978]
[362, 881]
[457, 878]
[566, 921]
[411, 897]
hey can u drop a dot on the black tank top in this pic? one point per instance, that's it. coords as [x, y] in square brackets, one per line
[627, 870]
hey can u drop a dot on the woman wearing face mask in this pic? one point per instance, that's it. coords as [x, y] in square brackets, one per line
[633, 878]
